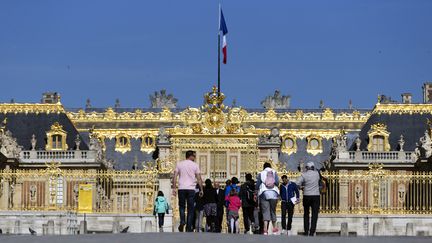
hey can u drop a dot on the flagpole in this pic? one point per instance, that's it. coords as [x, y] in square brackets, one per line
[219, 89]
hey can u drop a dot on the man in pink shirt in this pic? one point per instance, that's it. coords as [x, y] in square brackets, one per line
[189, 174]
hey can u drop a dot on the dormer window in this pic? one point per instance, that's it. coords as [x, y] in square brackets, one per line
[56, 138]
[378, 138]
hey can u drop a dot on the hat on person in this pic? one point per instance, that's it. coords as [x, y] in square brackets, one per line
[310, 164]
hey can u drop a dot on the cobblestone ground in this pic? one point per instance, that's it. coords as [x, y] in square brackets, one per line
[201, 238]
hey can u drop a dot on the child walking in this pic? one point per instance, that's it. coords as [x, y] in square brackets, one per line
[161, 207]
[234, 204]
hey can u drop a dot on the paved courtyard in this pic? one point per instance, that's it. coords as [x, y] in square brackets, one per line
[206, 238]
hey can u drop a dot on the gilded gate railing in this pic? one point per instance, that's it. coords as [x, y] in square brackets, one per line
[375, 191]
[372, 191]
[58, 190]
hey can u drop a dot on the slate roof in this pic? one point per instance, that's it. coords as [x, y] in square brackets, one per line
[412, 127]
[23, 126]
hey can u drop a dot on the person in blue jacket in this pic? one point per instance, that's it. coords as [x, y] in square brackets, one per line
[288, 190]
[161, 207]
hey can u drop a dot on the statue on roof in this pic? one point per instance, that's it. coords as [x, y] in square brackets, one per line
[426, 144]
[160, 99]
[8, 144]
[384, 99]
[277, 101]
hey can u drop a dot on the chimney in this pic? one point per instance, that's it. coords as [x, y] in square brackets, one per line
[406, 98]
[427, 92]
[50, 98]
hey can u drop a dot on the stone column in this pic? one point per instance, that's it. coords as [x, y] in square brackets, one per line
[4, 194]
[164, 151]
[165, 186]
[343, 191]
[274, 155]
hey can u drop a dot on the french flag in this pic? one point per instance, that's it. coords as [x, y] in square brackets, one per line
[223, 28]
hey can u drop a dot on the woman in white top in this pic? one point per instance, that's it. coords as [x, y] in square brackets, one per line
[268, 194]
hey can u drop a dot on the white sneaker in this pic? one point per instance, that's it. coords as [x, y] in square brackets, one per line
[284, 232]
[289, 233]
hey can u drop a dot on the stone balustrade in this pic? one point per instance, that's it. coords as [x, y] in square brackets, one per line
[402, 158]
[71, 156]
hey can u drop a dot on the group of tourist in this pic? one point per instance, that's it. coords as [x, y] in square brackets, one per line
[258, 200]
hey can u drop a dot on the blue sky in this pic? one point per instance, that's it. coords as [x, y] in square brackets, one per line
[311, 50]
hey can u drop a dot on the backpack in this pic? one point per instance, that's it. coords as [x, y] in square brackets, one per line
[250, 195]
[270, 180]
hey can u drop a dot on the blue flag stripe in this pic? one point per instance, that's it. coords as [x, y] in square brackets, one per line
[222, 25]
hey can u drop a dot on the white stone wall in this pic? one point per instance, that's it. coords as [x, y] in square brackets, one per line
[388, 225]
[65, 224]
[363, 225]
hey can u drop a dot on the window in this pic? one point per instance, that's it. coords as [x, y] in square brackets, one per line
[378, 138]
[56, 190]
[314, 144]
[56, 138]
[148, 144]
[148, 141]
[57, 142]
[378, 143]
[289, 143]
[123, 141]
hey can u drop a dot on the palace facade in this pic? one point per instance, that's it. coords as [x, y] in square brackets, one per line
[229, 141]
[377, 161]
